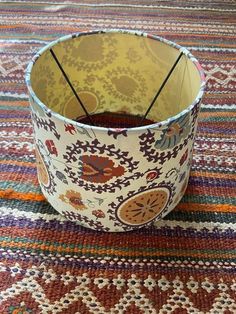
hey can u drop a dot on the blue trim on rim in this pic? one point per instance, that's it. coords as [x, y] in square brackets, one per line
[131, 32]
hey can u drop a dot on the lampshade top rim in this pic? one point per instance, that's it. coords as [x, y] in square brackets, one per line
[137, 33]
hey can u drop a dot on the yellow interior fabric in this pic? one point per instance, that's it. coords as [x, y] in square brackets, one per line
[115, 72]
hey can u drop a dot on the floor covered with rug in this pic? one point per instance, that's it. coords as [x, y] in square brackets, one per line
[185, 263]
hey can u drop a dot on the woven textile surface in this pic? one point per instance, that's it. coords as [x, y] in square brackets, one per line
[184, 263]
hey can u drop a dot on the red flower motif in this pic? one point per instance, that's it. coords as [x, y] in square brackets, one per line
[70, 128]
[51, 147]
[152, 175]
[99, 169]
[98, 213]
[183, 158]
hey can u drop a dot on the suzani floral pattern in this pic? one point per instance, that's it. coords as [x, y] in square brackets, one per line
[91, 53]
[99, 169]
[141, 207]
[173, 133]
[126, 84]
[144, 206]
[108, 171]
[45, 176]
[111, 177]
[98, 213]
[73, 199]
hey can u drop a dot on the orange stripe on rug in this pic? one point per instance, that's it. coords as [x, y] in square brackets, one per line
[115, 251]
[16, 103]
[11, 194]
[224, 208]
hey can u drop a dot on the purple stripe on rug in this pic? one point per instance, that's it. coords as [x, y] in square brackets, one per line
[21, 169]
[20, 222]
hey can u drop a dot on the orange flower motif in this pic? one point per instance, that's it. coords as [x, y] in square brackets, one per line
[174, 129]
[74, 199]
[174, 132]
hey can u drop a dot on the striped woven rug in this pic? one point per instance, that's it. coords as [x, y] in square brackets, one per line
[183, 264]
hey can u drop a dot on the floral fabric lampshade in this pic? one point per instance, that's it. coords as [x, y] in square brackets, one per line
[109, 178]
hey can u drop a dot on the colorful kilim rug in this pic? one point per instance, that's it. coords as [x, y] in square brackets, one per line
[183, 264]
